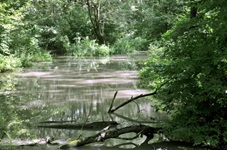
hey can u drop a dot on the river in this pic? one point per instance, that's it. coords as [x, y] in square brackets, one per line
[79, 90]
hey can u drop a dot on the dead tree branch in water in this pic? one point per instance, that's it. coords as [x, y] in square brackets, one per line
[132, 98]
[87, 126]
[128, 101]
[114, 133]
[111, 105]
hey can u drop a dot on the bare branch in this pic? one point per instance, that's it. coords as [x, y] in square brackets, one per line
[130, 100]
[111, 105]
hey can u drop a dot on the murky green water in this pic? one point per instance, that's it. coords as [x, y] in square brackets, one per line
[78, 90]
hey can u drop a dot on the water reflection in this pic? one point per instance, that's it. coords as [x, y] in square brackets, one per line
[78, 90]
[72, 86]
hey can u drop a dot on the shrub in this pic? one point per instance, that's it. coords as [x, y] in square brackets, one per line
[128, 44]
[8, 63]
[85, 47]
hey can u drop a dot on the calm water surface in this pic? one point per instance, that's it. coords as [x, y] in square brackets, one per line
[80, 90]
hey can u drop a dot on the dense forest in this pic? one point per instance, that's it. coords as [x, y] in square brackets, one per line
[186, 41]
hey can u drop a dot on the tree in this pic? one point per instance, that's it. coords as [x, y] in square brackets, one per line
[191, 64]
[94, 11]
[155, 17]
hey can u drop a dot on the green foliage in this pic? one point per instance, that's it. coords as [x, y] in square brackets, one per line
[29, 27]
[59, 22]
[85, 47]
[128, 44]
[26, 47]
[156, 63]
[27, 59]
[122, 46]
[6, 26]
[8, 63]
[7, 108]
[12, 123]
[7, 83]
[153, 18]
[19, 44]
[192, 72]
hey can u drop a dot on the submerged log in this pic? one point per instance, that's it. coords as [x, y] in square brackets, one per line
[87, 126]
[47, 122]
[114, 133]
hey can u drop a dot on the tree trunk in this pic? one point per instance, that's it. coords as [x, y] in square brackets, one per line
[94, 11]
[193, 11]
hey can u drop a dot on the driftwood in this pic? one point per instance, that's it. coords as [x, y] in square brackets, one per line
[87, 126]
[114, 133]
[111, 110]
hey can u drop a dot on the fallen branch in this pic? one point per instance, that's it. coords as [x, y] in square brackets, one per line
[47, 122]
[114, 133]
[128, 101]
[88, 126]
[111, 105]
